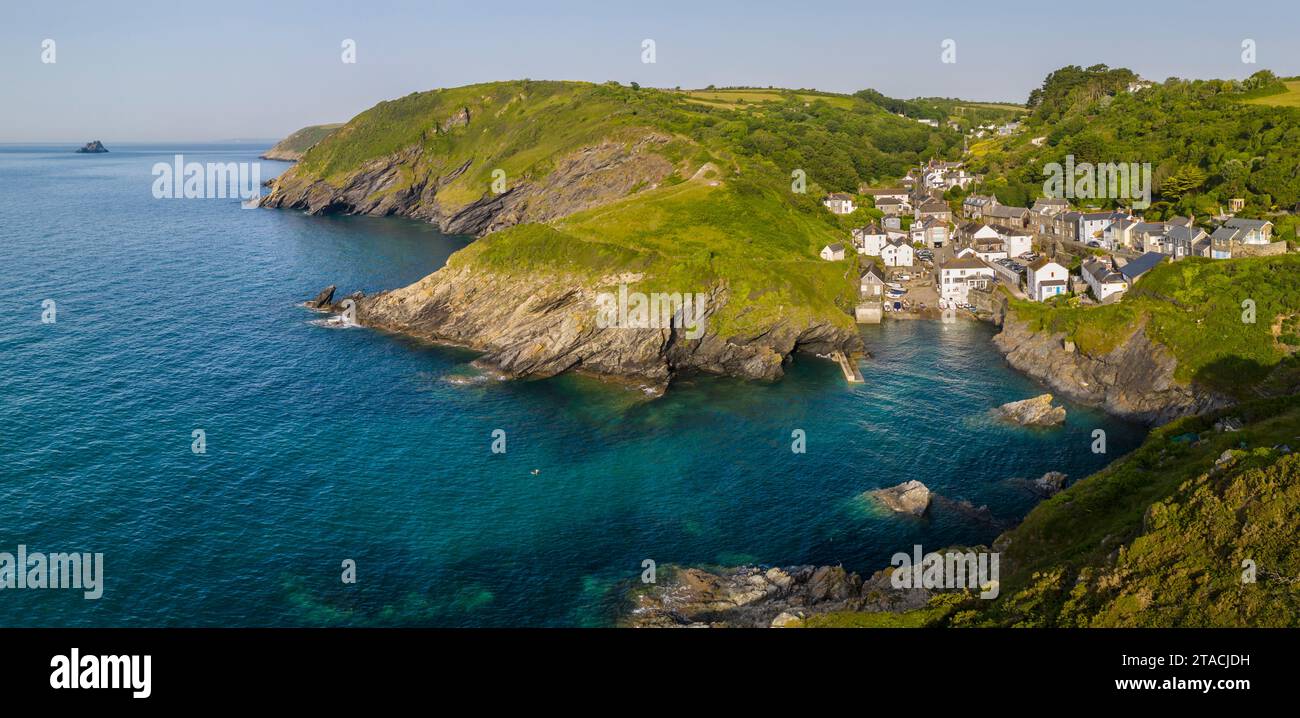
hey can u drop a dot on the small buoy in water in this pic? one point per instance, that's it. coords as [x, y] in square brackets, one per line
[536, 471]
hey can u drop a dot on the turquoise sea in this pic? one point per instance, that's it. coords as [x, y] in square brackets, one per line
[325, 444]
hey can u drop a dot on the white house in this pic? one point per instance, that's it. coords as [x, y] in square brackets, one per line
[1093, 225]
[1102, 277]
[1016, 241]
[1119, 235]
[958, 276]
[972, 232]
[1045, 279]
[840, 203]
[832, 252]
[897, 253]
[869, 240]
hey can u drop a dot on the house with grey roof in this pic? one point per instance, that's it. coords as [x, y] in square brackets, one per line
[1010, 216]
[1134, 270]
[1256, 231]
[833, 252]
[1105, 281]
[1182, 241]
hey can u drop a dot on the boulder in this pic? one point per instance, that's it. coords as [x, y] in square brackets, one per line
[322, 300]
[909, 497]
[1049, 484]
[1037, 411]
[786, 619]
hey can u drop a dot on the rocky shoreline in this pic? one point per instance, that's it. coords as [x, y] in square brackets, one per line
[1134, 381]
[754, 597]
[553, 330]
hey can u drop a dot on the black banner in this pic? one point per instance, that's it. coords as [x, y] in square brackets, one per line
[205, 667]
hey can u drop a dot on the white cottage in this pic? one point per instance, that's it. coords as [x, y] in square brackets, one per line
[1045, 279]
[897, 253]
[833, 252]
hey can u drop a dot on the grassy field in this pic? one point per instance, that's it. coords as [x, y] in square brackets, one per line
[1290, 98]
[734, 99]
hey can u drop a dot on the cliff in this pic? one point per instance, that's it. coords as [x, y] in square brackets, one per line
[530, 325]
[1136, 380]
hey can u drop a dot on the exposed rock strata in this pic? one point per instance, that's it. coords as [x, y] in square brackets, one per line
[540, 326]
[1135, 380]
[403, 184]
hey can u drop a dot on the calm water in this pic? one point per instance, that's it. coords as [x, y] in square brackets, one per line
[328, 444]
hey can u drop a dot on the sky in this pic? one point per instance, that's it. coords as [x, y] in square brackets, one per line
[205, 71]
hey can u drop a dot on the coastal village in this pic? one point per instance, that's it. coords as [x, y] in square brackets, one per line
[923, 256]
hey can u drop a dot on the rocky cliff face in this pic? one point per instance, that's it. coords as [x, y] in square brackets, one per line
[540, 326]
[1135, 380]
[402, 184]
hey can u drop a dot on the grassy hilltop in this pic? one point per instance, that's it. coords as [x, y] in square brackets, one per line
[292, 147]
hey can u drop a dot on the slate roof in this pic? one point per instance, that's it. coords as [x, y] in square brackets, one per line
[1141, 265]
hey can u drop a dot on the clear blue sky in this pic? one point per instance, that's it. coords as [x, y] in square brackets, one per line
[135, 71]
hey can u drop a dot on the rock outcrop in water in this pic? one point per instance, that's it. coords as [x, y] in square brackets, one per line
[909, 497]
[1135, 380]
[1037, 411]
[92, 147]
[540, 326]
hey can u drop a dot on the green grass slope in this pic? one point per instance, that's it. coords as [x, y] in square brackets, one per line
[300, 141]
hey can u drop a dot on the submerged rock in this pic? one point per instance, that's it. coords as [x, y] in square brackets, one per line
[1037, 411]
[909, 497]
[1049, 484]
